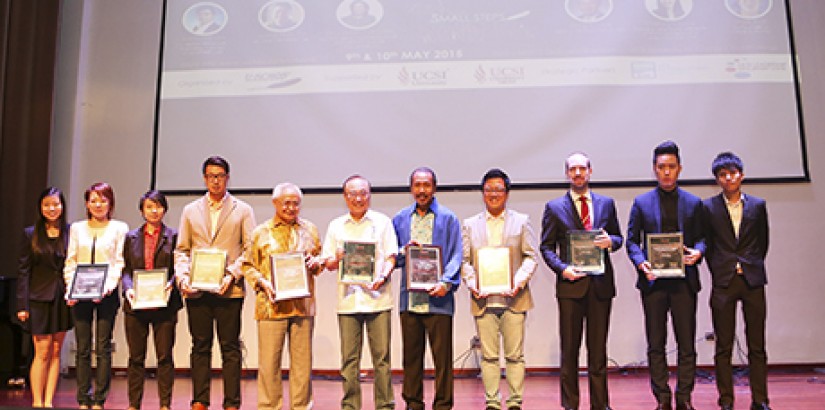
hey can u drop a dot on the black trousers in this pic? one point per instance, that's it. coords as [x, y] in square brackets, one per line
[672, 296]
[137, 324]
[101, 316]
[210, 314]
[416, 329]
[723, 303]
[576, 315]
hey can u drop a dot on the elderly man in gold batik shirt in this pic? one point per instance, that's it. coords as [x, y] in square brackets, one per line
[277, 317]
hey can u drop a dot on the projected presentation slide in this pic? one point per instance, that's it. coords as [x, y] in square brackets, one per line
[311, 91]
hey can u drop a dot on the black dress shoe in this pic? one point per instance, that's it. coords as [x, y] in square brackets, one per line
[726, 407]
[760, 406]
[685, 406]
[663, 406]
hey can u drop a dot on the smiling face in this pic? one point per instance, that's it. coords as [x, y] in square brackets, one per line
[357, 197]
[422, 187]
[495, 195]
[98, 206]
[667, 169]
[51, 208]
[288, 205]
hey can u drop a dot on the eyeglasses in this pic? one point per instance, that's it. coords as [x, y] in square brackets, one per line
[495, 190]
[357, 194]
[215, 176]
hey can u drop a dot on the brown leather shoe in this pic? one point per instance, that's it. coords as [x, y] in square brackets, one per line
[199, 406]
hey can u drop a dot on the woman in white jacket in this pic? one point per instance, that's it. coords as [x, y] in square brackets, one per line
[96, 240]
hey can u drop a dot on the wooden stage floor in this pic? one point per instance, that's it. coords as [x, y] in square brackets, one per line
[788, 389]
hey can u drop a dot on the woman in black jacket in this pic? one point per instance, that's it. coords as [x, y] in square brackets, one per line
[150, 247]
[40, 290]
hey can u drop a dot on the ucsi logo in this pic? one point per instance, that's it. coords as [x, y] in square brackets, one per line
[422, 77]
[504, 75]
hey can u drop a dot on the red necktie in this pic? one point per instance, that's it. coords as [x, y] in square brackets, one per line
[588, 225]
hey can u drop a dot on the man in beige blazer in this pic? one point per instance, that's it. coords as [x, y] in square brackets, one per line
[500, 312]
[216, 221]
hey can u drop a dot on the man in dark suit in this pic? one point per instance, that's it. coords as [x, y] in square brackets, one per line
[736, 228]
[668, 209]
[583, 297]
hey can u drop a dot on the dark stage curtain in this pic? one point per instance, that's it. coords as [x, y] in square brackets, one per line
[28, 41]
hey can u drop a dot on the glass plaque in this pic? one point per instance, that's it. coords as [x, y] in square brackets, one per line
[150, 288]
[89, 282]
[423, 266]
[584, 255]
[358, 264]
[493, 270]
[208, 269]
[289, 276]
[665, 254]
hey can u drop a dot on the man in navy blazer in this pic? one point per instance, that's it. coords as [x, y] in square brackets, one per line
[736, 228]
[667, 209]
[583, 297]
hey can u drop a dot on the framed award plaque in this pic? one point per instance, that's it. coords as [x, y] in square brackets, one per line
[208, 268]
[150, 288]
[358, 264]
[289, 276]
[423, 266]
[89, 282]
[493, 270]
[665, 254]
[584, 254]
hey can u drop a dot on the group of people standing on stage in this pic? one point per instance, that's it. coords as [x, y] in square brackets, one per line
[729, 230]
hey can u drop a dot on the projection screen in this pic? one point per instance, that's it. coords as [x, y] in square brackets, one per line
[312, 91]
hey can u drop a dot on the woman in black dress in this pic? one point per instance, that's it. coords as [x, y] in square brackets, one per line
[40, 290]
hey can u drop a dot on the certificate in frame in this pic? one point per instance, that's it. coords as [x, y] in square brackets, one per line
[208, 269]
[494, 274]
[358, 265]
[289, 276]
[584, 255]
[665, 254]
[150, 288]
[89, 281]
[424, 267]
